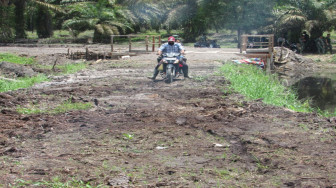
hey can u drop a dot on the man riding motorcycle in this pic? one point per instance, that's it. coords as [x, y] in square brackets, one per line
[168, 47]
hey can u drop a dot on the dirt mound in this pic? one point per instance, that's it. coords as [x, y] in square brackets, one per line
[292, 66]
[16, 70]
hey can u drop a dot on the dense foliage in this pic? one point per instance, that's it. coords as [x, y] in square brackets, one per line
[192, 17]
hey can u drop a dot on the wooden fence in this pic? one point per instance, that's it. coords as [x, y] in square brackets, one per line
[146, 42]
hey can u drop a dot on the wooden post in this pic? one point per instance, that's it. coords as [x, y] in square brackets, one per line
[268, 65]
[147, 43]
[112, 43]
[129, 44]
[243, 46]
[86, 53]
[153, 46]
[159, 41]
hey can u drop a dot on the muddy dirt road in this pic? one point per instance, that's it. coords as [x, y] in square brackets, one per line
[140, 133]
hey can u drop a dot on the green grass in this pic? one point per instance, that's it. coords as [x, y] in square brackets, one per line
[11, 58]
[58, 34]
[54, 183]
[333, 59]
[228, 44]
[68, 68]
[71, 68]
[326, 113]
[253, 83]
[26, 82]
[62, 108]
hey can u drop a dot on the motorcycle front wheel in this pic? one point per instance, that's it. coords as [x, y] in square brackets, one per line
[170, 75]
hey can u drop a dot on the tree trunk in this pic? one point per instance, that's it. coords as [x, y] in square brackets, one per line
[4, 3]
[239, 37]
[19, 18]
[5, 22]
[44, 25]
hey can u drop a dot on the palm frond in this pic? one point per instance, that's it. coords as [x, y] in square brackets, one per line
[174, 17]
[49, 6]
[100, 28]
[107, 29]
[310, 24]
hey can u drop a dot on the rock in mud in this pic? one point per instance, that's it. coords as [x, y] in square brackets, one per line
[220, 145]
[18, 70]
[181, 121]
[120, 180]
[3, 140]
[5, 96]
[160, 147]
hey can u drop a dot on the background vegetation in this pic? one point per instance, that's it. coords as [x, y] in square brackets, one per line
[192, 17]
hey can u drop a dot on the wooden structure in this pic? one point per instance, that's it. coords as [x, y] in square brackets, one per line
[258, 46]
[146, 42]
[97, 54]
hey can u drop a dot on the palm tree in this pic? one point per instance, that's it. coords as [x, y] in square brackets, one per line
[20, 6]
[104, 17]
[5, 20]
[146, 14]
[185, 15]
[311, 15]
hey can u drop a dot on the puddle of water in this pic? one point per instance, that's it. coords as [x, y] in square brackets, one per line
[320, 89]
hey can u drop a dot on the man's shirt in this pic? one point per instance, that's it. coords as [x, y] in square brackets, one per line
[166, 48]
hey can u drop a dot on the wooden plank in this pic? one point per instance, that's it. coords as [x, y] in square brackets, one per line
[263, 56]
[257, 50]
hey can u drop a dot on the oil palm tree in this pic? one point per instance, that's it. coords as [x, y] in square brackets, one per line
[5, 20]
[105, 17]
[311, 15]
[20, 6]
[146, 14]
[184, 15]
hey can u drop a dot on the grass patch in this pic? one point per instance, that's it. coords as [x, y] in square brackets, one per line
[71, 68]
[62, 108]
[228, 44]
[55, 182]
[326, 113]
[67, 68]
[6, 85]
[333, 59]
[200, 78]
[255, 84]
[12, 58]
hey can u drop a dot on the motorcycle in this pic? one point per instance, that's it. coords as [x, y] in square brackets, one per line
[171, 67]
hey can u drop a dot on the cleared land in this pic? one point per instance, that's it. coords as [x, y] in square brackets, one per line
[191, 133]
